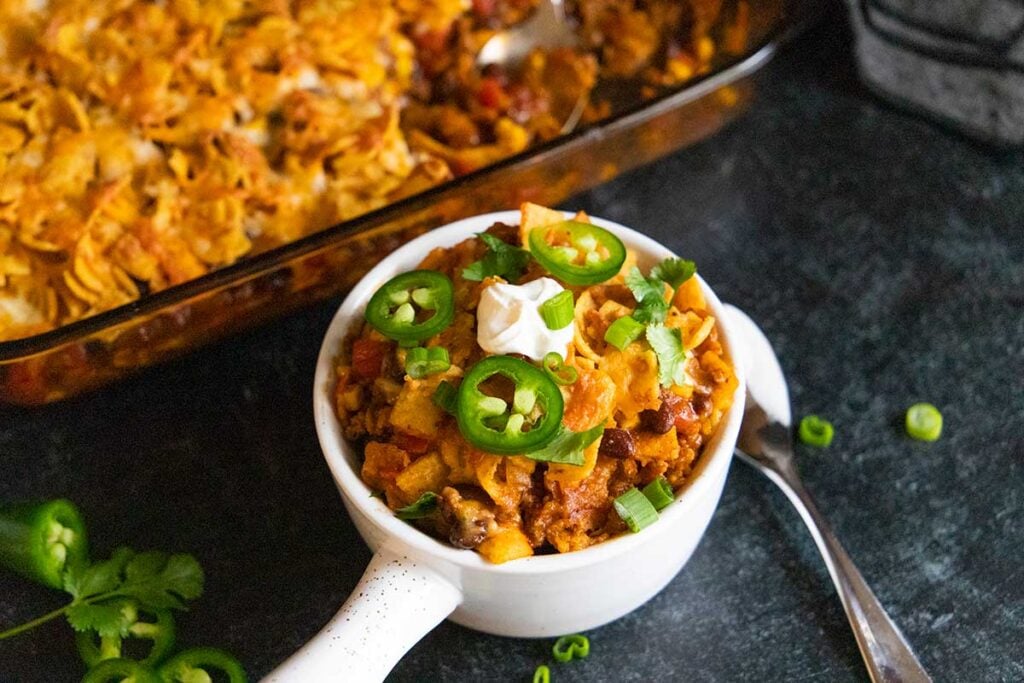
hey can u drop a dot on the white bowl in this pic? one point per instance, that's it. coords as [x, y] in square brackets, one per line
[415, 581]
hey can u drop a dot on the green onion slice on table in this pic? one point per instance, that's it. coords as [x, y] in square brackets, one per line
[412, 306]
[41, 541]
[577, 253]
[815, 431]
[924, 422]
[507, 427]
[571, 647]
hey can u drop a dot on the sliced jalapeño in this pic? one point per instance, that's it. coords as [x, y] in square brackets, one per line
[412, 306]
[577, 253]
[505, 427]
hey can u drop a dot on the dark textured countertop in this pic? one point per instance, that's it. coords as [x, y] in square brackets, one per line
[884, 257]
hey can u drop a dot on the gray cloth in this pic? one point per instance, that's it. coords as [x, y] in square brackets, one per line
[960, 61]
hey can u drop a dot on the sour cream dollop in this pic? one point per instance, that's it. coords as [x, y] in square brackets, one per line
[508, 320]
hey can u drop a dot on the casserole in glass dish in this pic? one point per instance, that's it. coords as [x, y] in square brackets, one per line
[90, 351]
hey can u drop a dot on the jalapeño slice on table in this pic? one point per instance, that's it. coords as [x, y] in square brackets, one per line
[41, 541]
[160, 631]
[201, 664]
[492, 424]
[412, 306]
[121, 671]
[577, 253]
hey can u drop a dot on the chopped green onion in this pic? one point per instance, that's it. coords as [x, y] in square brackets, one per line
[924, 422]
[816, 432]
[423, 507]
[557, 370]
[421, 362]
[542, 674]
[446, 396]
[571, 647]
[635, 510]
[558, 310]
[660, 493]
[623, 332]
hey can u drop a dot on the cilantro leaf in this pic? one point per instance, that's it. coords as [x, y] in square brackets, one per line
[110, 618]
[153, 578]
[649, 293]
[159, 580]
[100, 577]
[674, 271]
[567, 447]
[424, 506]
[502, 259]
[668, 347]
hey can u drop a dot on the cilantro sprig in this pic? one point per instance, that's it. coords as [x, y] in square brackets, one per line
[501, 260]
[154, 579]
[651, 309]
[674, 271]
[649, 292]
[107, 598]
[667, 343]
[567, 447]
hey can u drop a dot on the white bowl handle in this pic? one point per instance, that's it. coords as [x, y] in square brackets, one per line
[395, 604]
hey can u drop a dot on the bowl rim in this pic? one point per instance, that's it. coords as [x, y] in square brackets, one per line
[340, 456]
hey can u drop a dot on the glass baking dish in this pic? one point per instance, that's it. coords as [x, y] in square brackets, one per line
[91, 352]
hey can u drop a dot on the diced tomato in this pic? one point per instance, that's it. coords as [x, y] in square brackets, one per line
[368, 357]
[484, 8]
[411, 444]
[490, 93]
[433, 41]
[687, 422]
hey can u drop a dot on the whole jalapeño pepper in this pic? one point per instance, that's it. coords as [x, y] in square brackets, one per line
[577, 253]
[39, 541]
[199, 663]
[529, 421]
[158, 628]
[399, 309]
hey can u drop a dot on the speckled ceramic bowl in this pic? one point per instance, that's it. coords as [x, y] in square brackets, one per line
[415, 581]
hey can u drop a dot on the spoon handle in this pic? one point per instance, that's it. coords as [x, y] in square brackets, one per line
[886, 652]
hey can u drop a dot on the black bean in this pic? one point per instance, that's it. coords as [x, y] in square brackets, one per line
[617, 443]
[661, 420]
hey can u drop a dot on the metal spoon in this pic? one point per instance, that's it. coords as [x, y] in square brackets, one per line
[546, 28]
[765, 444]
